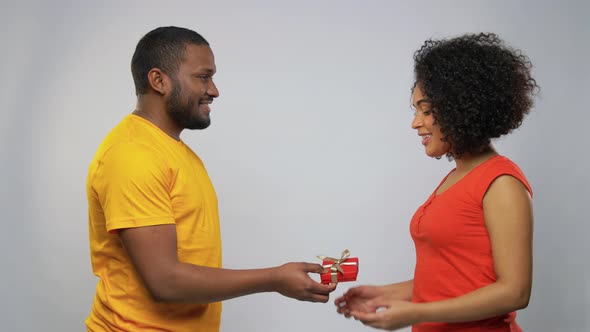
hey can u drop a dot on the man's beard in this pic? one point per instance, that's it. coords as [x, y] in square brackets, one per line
[182, 113]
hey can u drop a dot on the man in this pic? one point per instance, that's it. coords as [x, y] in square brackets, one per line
[153, 219]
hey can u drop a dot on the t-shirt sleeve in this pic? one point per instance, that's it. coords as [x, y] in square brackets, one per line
[133, 185]
[503, 167]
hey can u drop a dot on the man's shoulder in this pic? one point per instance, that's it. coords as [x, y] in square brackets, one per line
[127, 140]
[130, 152]
[128, 161]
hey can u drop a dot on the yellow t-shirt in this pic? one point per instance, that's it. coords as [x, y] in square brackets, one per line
[139, 177]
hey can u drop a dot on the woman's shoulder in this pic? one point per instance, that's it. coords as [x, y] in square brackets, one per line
[495, 168]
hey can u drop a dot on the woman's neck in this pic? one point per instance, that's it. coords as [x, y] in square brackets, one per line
[470, 160]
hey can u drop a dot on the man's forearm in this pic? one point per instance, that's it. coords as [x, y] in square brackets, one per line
[200, 284]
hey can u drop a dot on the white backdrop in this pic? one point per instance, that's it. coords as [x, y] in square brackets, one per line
[310, 148]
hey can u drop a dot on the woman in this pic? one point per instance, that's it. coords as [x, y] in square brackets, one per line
[473, 235]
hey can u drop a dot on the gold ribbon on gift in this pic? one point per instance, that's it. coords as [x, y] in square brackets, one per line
[336, 265]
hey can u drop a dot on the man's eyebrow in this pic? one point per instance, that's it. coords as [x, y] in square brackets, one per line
[205, 70]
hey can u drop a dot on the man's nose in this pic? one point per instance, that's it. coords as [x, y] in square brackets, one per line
[212, 89]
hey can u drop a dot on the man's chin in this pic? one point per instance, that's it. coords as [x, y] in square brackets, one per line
[198, 125]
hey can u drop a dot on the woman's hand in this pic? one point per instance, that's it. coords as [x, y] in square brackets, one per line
[363, 298]
[389, 314]
[359, 299]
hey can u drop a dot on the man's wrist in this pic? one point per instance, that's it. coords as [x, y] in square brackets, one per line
[272, 279]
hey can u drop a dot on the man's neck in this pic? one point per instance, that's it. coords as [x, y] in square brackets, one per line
[155, 112]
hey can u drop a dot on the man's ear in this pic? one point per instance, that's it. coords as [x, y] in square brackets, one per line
[159, 81]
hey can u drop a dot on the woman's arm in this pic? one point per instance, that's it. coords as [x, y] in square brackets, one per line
[509, 220]
[401, 290]
[361, 298]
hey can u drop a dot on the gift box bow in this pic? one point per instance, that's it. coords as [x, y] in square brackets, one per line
[336, 264]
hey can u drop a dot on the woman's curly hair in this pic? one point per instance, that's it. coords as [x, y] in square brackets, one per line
[479, 88]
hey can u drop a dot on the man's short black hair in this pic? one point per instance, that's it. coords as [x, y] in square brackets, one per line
[162, 48]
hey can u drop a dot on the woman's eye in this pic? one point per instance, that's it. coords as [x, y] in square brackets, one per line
[424, 113]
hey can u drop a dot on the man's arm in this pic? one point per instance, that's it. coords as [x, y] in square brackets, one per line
[153, 251]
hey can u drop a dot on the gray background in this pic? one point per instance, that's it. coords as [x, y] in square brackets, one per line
[310, 149]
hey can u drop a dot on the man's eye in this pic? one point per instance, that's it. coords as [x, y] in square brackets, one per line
[428, 112]
[204, 78]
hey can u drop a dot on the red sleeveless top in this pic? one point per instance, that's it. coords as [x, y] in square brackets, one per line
[453, 249]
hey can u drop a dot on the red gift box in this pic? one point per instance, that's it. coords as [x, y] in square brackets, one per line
[343, 269]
